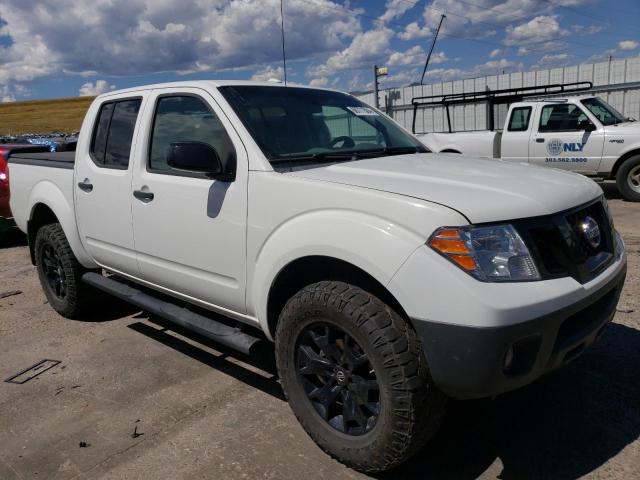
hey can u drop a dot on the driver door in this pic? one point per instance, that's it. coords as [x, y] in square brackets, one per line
[190, 229]
[561, 140]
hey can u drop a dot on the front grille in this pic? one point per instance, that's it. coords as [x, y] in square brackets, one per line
[560, 246]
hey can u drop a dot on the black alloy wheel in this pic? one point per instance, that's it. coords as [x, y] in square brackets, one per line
[54, 271]
[338, 378]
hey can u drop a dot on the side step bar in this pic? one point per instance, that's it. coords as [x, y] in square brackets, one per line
[231, 337]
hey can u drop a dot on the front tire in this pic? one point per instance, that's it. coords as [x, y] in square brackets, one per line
[60, 273]
[628, 179]
[355, 376]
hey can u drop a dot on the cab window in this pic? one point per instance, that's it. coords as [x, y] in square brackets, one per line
[562, 117]
[519, 121]
[185, 118]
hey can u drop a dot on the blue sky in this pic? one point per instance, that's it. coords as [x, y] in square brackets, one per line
[63, 48]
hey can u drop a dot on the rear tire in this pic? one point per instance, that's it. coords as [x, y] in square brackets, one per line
[628, 179]
[383, 410]
[60, 273]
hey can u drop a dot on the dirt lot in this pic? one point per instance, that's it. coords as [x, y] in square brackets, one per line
[131, 399]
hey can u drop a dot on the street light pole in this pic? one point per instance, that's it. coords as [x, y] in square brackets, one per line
[378, 72]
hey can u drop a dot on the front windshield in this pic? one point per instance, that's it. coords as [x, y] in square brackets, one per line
[291, 123]
[603, 111]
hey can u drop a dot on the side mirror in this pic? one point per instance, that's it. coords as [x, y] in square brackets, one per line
[195, 157]
[587, 126]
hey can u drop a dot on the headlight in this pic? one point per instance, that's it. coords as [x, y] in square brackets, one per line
[492, 254]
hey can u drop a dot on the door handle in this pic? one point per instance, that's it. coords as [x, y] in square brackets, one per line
[143, 196]
[85, 185]
[540, 140]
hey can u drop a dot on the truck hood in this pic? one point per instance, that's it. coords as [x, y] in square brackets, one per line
[627, 128]
[483, 190]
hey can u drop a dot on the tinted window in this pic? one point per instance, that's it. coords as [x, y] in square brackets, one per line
[111, 144]
[519, 121]
[123, 122]
[562, 117]
[186, 119]
[99, 143]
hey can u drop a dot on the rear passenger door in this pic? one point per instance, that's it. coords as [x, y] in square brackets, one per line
[515, 140]
[190, 230]
[102, 184]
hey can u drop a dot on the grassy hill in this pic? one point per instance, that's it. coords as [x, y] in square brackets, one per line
[43, 116]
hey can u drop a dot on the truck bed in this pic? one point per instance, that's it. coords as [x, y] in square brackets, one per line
[45, 159]
[41, 177]
[482, 143]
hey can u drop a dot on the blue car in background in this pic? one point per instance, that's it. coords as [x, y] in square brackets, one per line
[53, 145]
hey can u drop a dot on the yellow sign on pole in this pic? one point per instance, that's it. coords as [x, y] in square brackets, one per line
[382, 71]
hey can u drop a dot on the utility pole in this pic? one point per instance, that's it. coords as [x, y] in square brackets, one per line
[378, 72]
[433, 44]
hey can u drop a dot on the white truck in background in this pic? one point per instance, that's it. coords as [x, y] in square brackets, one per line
[388, 278]
[580, 134]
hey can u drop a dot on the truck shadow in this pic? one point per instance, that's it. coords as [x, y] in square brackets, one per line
[611, 191]
[257, 370]
[562, 427]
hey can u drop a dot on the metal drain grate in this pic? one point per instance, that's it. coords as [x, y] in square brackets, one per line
[32, 372]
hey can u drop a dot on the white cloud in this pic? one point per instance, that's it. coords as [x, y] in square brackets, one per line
[91, 90]
[137, 37]
[539, 30]
[365, 49]
[557, 59]
[492, 67]
[602, 56]
[7, 99]
[495, 52]
[396, 9]
[628, 45]
[414, 56]
[414, 31]
[401, 78]
[268, 73]
[319, 82]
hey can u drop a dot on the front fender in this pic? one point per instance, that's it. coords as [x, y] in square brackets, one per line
[48, 194]
[376, 245]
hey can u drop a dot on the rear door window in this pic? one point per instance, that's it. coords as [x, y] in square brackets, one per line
[113, 134]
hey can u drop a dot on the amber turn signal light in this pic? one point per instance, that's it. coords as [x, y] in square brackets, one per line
[447, 241]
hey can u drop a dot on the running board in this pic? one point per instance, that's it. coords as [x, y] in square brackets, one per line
[231, 337]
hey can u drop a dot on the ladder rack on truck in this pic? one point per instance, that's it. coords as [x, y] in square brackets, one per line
[494, 97]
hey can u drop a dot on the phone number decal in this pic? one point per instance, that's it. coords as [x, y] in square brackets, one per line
[565, 160]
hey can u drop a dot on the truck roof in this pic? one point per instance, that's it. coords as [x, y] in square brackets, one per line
[205, 84]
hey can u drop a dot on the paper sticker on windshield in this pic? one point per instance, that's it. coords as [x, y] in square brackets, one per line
[362, 111]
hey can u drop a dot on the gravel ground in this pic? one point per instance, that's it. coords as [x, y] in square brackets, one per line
[132, 399]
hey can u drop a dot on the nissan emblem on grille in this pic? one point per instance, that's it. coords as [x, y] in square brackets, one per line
[591, 231]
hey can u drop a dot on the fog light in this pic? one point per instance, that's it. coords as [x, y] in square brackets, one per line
[521, 355]
[508, 358]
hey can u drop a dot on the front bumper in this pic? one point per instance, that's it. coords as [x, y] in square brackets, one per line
[470, 329]
[469, 362]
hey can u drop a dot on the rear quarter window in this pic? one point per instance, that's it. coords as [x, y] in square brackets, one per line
[113, 133]
[519, 121]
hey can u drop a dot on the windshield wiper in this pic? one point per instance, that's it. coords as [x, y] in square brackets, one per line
[315, 157]
[381, 152]
[325, 157]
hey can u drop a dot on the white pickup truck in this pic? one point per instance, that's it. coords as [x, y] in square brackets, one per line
[389, 278]
[579, 134]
